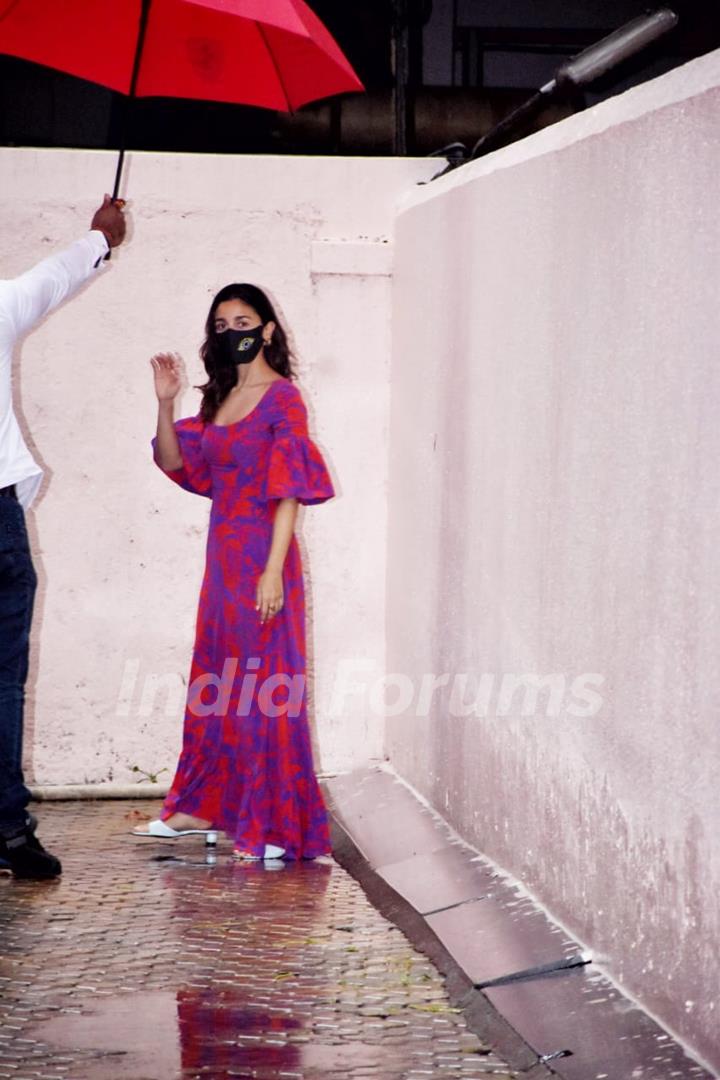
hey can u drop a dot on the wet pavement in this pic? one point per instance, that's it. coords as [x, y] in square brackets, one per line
[146, 961]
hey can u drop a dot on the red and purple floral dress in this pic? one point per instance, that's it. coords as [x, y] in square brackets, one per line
[246, 762]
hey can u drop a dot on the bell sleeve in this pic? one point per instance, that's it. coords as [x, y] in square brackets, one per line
[194, 474]
[296, 469]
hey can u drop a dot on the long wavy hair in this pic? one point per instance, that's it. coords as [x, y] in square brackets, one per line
[222, 377]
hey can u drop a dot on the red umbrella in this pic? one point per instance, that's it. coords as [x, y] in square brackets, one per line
[275, 54]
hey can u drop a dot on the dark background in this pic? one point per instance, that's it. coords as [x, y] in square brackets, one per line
[436, 71]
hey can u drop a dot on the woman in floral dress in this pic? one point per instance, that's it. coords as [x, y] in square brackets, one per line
[246, 764]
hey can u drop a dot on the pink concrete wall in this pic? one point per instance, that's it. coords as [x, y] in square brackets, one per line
[554, 502]
[119, 548]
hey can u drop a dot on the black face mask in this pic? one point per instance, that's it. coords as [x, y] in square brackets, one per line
[240, 346]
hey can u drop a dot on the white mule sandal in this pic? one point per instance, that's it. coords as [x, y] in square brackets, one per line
[159, 830]
[271, 852]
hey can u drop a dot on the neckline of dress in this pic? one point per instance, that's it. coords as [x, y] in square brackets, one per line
[255, 407]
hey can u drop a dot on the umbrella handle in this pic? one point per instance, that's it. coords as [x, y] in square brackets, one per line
[116, 188]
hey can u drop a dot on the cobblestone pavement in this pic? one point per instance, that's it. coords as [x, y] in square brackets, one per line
[146, 962]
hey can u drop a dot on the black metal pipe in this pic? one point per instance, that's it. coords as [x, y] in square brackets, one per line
[401, 74]
[528, 109]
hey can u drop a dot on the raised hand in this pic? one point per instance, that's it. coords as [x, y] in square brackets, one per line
[168, 372]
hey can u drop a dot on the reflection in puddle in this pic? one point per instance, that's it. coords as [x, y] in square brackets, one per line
[214, 1024]
[211, 859]
[208, 860]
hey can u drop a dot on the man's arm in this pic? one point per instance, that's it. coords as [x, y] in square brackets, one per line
[28, 298]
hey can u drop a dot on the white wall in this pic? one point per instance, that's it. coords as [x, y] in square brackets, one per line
[554, 509]
[119, 549]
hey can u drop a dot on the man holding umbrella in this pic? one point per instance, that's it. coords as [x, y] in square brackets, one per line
[23, 302]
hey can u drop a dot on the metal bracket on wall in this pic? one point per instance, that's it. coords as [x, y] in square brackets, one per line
[541, 969]
[544, 1058]
[457, 904]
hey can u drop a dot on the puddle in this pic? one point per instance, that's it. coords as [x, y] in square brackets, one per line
[157, 1035]
[161, 1034]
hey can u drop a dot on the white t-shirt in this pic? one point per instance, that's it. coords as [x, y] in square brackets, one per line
[23, 302]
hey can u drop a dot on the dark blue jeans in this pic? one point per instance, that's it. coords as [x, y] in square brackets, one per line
[18, 582]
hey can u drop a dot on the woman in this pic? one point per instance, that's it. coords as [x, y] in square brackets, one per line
[246, 763]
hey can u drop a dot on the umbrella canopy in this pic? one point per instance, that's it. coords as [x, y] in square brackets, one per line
[275, 54]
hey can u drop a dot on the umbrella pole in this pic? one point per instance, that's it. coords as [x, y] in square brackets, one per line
[144, 13]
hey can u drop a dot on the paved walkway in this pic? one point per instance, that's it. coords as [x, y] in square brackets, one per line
[147, 962]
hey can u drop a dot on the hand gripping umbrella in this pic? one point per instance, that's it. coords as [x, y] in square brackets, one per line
[274, 54]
